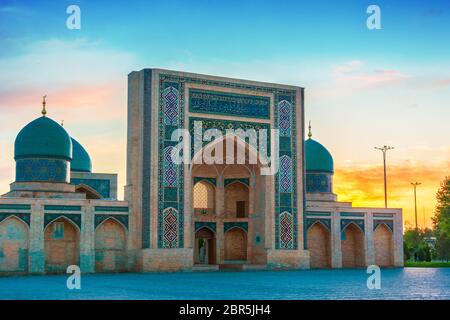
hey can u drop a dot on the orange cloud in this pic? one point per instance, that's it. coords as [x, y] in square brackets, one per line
[363, 185]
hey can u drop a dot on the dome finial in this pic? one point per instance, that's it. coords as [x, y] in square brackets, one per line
[44, 112]
[62, 123]
[309, 132]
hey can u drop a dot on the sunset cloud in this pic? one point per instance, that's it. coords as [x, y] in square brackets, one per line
[363, 185]
[359, 74]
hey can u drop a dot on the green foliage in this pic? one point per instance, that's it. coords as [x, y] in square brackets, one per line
[415, 247]
[427, 264]
[441, 220]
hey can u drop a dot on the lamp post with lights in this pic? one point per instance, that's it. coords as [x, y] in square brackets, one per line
[415, 184]
[384, 149]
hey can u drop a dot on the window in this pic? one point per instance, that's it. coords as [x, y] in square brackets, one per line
[240, 209]
[204, 197]
[58, 230]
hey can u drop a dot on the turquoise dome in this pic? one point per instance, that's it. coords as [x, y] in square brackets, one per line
[317, 157]
[43, 138]
[81, 162]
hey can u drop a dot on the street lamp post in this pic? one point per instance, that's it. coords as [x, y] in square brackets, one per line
[384, 149]
[415, 184]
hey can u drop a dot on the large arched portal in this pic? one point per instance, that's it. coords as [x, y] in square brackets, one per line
[229, 189]
[319, 246]
[383, 243]
[110, 247]
[61, 245]
[235, 245]
[13, 245]
[352, 245]
[205, 247]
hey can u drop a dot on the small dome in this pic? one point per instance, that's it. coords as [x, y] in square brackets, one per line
[81, 162]
[43, 138]
[317, 157]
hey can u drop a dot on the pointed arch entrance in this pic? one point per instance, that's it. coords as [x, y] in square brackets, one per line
[383, 243]
[205, 246]
[240, 191]
[319, 246]
[14, 244]
[235, 245]
[110, 247]
[352, 245]
[61, 245]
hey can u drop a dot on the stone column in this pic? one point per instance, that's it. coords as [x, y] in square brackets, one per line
[87, 240]
[189, 228]
[369, 243]
[37, 252]
[220, 196]
[398, 239]
[219, 242]
[251, 220]
[251, 196]
[336, 251]
[269, 212]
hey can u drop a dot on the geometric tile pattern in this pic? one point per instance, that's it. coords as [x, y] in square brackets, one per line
[201, 224]
[226, 103]
[210, 180]
[285, 118]
[244, 181]
[309, 222]
[170, 168]
[346, 222]
[286, 231]
[75, 218]
[170, 228]
[317, 182]
[285, 186]
[388, 223]
[230, 225]
[285, 174]
[102, 186]
[170, 175]
[45, 170]
[224, 125]
[121, 218]
[171, 113]
[25, 217]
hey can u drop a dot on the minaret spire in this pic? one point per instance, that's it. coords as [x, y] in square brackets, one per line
[44, 112]
[309, 132]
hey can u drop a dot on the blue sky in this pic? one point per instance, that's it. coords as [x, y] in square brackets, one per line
[241, 30]
[363, 87]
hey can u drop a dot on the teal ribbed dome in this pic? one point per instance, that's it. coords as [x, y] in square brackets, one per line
[43, 138]
[317, 157]
[81, 162]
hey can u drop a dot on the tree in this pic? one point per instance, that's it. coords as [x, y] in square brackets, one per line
[441, 220]
[414, 245]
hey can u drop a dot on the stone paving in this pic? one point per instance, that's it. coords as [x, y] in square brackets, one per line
[400, 283]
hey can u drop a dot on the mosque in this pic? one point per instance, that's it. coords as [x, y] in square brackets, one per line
[193, 215]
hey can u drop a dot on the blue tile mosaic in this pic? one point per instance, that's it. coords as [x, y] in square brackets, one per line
[230, 104]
